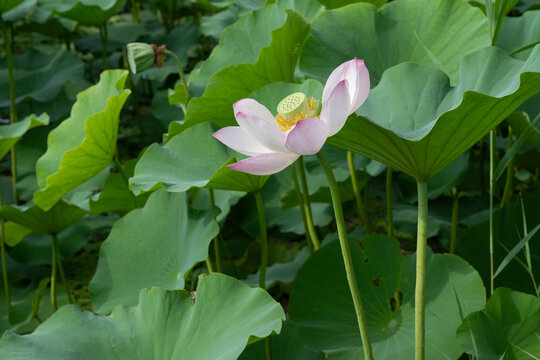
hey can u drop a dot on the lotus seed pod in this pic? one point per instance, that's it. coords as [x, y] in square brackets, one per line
[140, 56]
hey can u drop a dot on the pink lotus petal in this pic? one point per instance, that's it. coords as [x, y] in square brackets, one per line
[252, 107]
[264, 132]
[335, 77]
[307, 137]
[336, 109]
[357, 76]
[264, 164]
[362, 86]
[239, 140]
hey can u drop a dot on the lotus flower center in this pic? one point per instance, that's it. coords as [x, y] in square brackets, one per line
[295, 107]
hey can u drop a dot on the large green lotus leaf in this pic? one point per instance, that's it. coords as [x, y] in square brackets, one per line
[416, 122]
[508, 328]
[116, 195]
[255, 29]
[428, 32]
[520, 33]
[39, 76]
[152, 246]
[20, 11]
[59, 217]
[322, 307]
[285, 346]
[193, 158]
[214, 324]
[48, 23]
[10, 134]
[7, 5]
[519, 121]
[275, 63]
[334, 4]
[85, 12]
[85, 143]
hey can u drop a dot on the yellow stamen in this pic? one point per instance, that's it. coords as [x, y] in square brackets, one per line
[294, 108]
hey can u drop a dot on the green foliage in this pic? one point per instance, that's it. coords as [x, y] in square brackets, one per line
[39, 76]
[167, 234]
[430, 123]
[216, 322]
[275, 63]
[87, 137]
[508, 328]
[10, 134]
[322, 308]
[50, 222]
[429, 32]
[192, 158]
[85, 12]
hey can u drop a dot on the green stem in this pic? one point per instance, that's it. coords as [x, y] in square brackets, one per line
[209, 265]
[4, 264]
[359, 203]
[509, 173]
[103, 34]
[389, 212]
[180, 71]
[7, 34]
[268, 347]
[421, 244]
[135, 11]
[528, 251]
[491, 169]
[347, 258]
[300, 198]
[61, 268]
[216, 242]
[307, 205]
[453, 236]
[264, 239]
[53, 275]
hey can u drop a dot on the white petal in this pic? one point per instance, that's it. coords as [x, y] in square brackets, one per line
[251, 106]
[239, 140]
[307, 137]
[264, 164]
[264, 132]
[336, 110]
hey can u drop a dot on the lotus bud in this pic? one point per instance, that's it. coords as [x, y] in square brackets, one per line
[142, 56]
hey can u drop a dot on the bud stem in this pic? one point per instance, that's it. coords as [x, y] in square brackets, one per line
[180, 71]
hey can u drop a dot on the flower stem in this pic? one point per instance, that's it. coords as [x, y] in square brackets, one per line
[7, 34]
[359, 203]
[453, 237]
[180, 71]
[61, 268]
[347, 258]
[264, 239]
[419, 302]
[491, 170]
[389, 212]
[216, 243]
[4, 264]
[509, 173]
[307, 205]
[104, 35]
[268, 347]
[300, 198]
[53, 274]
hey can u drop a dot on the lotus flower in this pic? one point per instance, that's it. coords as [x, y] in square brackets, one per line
[299, 128]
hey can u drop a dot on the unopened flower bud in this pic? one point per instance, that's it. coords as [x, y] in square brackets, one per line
[140, 56]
